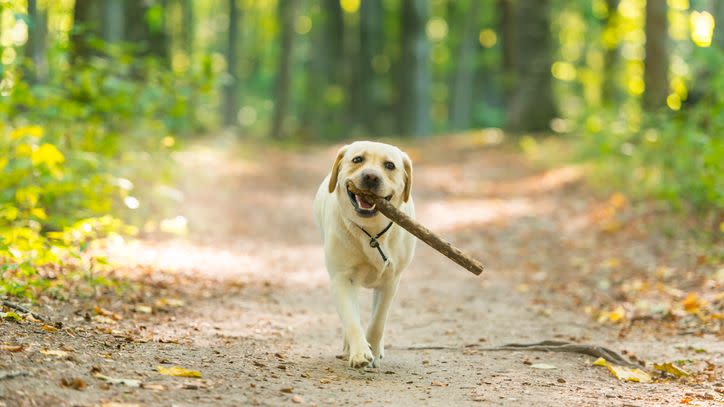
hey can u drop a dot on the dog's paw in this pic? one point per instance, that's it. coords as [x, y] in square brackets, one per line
[361, 359]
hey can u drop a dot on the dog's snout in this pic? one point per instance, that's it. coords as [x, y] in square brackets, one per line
[370, 180]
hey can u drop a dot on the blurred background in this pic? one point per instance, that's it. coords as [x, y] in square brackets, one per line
[95, 95]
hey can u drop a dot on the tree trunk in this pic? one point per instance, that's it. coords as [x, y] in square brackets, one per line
[610, 59]
[506, 26]
[282, 95]
[719, 24]
[36, 47]
[371, 44]
[86, 15]
[415, 70]
[146, 28]
[463, 80]
[230, 106]
[531, 106]
[113, 20]
[656, 64]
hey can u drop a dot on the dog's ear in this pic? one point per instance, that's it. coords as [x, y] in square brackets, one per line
[407, 162]
[335, 169]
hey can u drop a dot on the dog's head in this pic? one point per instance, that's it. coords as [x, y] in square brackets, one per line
[380, 168]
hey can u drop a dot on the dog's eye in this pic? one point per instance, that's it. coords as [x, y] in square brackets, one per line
[389, 165]
[358, 159]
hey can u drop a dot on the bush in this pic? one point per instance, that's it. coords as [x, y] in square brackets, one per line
[71, 153]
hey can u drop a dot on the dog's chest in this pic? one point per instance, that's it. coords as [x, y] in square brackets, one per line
[370, 275]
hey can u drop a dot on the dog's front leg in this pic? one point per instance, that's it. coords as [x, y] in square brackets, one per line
[381, 302]
[345, 297]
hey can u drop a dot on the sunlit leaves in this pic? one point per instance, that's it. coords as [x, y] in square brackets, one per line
[178, 371]
[702, 28]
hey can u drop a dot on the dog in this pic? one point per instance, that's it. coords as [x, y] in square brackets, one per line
[362, 247]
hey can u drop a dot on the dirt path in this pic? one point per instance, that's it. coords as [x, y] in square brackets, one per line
[259, 324]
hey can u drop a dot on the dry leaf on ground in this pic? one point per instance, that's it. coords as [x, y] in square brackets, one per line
[54, 352]
[112, 380]
[542, 366]
[11, 316]
[178, 371]
[671, 368]
[73, 382]
[12, 348]
[624, 373]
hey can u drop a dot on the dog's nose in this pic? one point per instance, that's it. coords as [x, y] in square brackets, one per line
[370, 180]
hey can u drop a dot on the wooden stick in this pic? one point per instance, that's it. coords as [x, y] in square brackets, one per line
[22, 309]
[421, 232]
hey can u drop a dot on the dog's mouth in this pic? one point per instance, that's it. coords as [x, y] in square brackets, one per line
[362, 206]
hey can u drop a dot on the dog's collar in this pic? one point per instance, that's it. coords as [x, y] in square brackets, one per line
[373, 239]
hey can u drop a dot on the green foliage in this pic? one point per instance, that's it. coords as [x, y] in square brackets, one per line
[83, 155]
[672, 155]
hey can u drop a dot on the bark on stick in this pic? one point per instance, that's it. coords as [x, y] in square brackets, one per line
[421, 232]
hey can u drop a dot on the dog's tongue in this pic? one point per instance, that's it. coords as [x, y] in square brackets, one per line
[363, 204]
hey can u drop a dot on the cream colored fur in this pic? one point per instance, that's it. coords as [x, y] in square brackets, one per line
[350, 260]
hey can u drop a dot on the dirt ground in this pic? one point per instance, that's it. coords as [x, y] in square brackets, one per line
[244, 300]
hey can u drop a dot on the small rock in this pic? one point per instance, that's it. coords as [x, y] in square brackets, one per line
[297, 399]
[287, 390]
[561, 380]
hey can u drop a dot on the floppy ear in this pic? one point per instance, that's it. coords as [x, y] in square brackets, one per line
[335, 169]
[408, 176]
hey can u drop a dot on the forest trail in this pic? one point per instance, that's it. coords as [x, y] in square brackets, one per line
[258, 322]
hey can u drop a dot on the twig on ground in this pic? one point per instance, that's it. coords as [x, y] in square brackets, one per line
[11, 375]
[544, 346]
[22, 309]
[421, 232]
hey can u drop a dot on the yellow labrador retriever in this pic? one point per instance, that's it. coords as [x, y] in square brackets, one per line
[362, 247]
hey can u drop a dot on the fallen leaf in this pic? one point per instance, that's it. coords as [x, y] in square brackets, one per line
[178, 371]
[112, 380]
[11, 316]
[12, 348]
[624, 373]
[685, 400]
[143, 309]
[617, 315]
[542, 366]
[671, 368]
[692, 303]
[170, 302]
[287, 390]
[104, 312]
[439, 384]
[49, 328]
[155, 387]
[73, 382]
[600, 362]
[103, 319]
[54, 352]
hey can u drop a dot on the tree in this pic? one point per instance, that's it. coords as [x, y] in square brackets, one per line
[719, 27]
[415, 70]
[371, 45]
[146, 28]
[86, 15]
[113, 20]
[286, 10]
[506, 26]
[230, 106]
[462, 84]
[656, 63]
[36, 47]
[531, 105]
[326, 70]
[610, 58]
